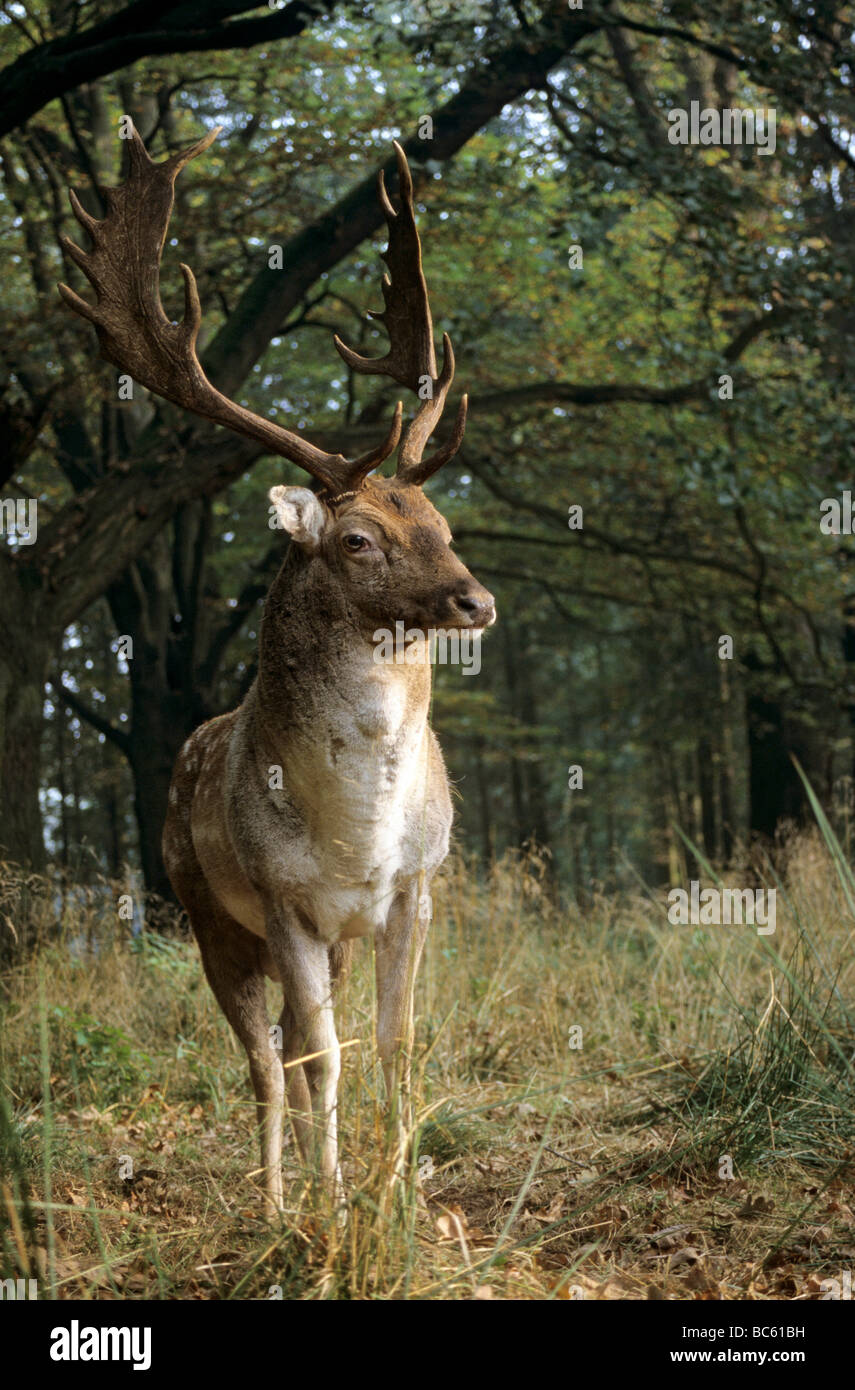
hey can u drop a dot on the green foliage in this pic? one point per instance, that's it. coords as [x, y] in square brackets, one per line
[100, 1053]
[701, 514]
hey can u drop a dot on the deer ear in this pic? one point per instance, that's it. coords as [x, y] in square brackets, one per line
[297, 511]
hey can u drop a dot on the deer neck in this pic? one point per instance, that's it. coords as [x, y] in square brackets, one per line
[338, 723]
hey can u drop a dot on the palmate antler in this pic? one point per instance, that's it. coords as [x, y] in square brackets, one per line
[411, 360]
[137, 337]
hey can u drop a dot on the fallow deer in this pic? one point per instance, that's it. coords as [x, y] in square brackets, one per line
[319, 810]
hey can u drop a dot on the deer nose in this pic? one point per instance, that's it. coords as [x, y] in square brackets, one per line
[477, 606]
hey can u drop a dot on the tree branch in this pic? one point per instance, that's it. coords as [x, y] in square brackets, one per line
[254, 589]
[99, 532]
[90, 716]
[605, 393]
[49, 70]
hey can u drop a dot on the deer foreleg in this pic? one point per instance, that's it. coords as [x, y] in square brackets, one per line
[397, 952]
[303, 965]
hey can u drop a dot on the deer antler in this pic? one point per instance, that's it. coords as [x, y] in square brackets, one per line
[136, 336]
[411, 360]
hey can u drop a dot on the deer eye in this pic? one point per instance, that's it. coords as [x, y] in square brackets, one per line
[354, 542]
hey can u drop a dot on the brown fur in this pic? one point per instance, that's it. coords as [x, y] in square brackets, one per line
[278, 880]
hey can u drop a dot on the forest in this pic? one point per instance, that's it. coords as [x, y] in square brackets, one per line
[655, 334]
[652, 314]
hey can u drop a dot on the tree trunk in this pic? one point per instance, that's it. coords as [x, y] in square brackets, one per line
[162, 719]
[725, 763]
[152, 769]
[23, 670]
[60, 720]
[165, 704]
[485, 819]
[113, 813]
[509, 649]
[538, 810]
[775, 788]
[706, 785]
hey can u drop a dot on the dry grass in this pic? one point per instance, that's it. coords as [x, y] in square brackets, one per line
[548, 1171]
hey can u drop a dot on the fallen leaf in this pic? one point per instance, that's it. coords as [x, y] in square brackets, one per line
[687, 1256]
[452, 1224]
[668, 1237]
[755, 1206]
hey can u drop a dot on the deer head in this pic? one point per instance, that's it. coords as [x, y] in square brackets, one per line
[377, 539]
